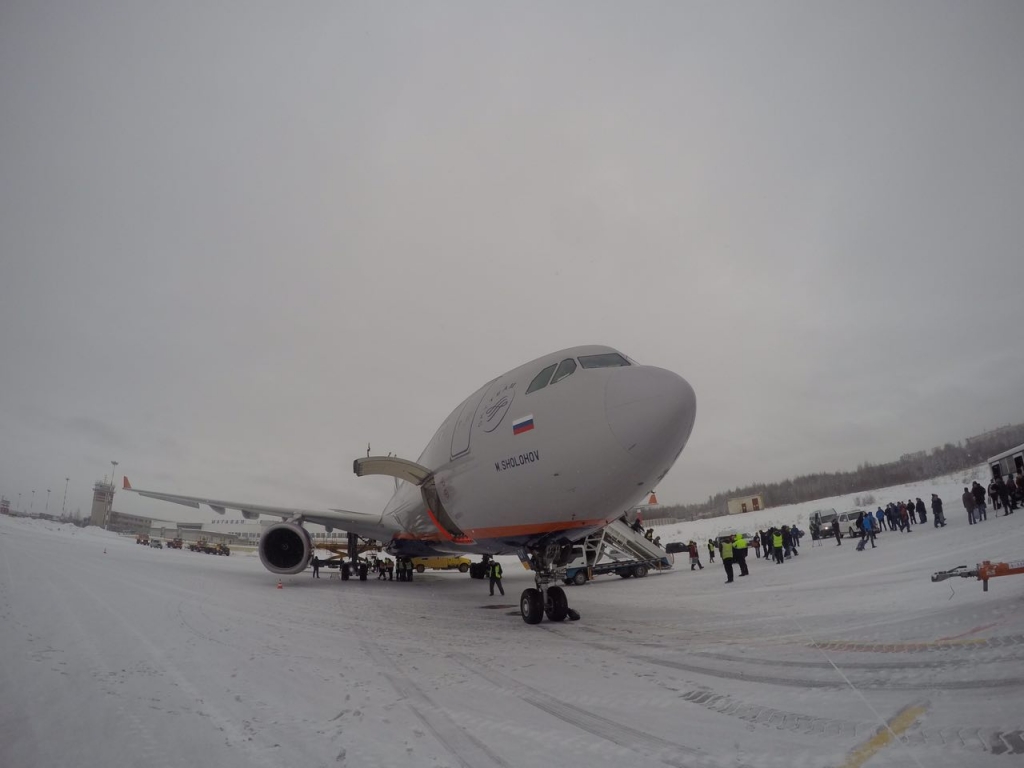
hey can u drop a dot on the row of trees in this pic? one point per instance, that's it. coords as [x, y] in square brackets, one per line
[925, 465]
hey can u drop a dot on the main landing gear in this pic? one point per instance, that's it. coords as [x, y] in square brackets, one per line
[546, 598]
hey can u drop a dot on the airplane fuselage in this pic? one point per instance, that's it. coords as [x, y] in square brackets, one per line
[559, 446]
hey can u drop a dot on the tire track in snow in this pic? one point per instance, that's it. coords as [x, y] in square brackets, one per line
[793, 682]
[624, 736]
[462, 745]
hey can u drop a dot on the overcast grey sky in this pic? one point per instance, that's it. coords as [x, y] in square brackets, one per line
[238, 241]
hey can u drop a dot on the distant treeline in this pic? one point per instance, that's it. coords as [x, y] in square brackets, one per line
[923, 465]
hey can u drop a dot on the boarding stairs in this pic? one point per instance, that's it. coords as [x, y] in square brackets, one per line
[620, 543]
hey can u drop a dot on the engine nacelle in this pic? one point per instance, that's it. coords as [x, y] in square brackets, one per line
[285, 548]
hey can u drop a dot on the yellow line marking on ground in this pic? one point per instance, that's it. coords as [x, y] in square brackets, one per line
[897, 725]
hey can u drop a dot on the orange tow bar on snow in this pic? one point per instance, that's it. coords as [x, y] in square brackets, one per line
[984, 571]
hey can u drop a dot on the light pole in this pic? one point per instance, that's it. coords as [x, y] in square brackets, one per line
[64, 505]
[47, 510]
[110, 503]
[19, 503]
[32, 502]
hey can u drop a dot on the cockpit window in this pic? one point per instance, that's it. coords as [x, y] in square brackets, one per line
[565, 368]
[607, 360]
[541, 379]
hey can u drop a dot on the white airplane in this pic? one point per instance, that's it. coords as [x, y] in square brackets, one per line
[537, 458]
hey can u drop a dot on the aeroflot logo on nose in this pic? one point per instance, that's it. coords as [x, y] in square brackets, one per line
[517, 461]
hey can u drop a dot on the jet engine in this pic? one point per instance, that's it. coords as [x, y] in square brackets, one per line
[285, 548]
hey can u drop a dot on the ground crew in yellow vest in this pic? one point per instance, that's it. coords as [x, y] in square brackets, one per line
[739, 550]
[777, 544]
[495, 574]
[727, 557]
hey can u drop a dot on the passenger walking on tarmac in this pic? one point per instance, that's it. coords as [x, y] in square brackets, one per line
[938, 516]
[836, 532]
[391, 569]
[694, 551]
[711, 551]
[495, 574]
[408, 569]
[756, 544]
[904, 518]
[922, 512]
[726, 544]
[912, 512]
[968, 500]
[1004, 497]
[980, 512]
[868, 530]
[739, 550]
[316, 567]
[880, 516]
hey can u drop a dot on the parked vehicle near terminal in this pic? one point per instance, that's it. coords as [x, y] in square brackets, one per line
[174, 543]
[142, 538]
[156, 544]
[441, 563]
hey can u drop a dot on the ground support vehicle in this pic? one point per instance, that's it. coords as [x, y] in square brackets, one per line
[156, 544]
[174, 543]
[442, 563]
[142, 538]
[617, 549]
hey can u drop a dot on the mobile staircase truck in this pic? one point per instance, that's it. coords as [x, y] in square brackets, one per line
[617, 549]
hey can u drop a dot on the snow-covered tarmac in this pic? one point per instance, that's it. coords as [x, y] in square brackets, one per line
[142, 657]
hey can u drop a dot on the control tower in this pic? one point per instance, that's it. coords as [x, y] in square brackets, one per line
[102, 503]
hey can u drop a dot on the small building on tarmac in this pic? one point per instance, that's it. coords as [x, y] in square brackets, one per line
[743, 504]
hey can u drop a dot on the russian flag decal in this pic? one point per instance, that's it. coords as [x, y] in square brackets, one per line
[525, 424]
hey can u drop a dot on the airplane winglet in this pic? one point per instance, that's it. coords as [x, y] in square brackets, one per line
[127, 485]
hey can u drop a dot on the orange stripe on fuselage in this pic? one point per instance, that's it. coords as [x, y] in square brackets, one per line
[507, 531]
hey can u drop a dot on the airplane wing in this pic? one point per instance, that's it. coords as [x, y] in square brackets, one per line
[367, 526]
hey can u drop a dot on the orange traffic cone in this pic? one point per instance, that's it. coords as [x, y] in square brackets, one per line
[279, 584]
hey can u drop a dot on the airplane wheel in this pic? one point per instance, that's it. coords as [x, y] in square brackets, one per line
[463, 567]
[579, 578]
[531, 605]
[557, 606]
[640, 571]
[572, 615]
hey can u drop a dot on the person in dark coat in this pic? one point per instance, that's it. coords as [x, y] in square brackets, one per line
[969, 504]
[937, 514]
[1004, 497]
[922, 513]
[837, 533]
[316, 567]
[980, 511]
[711, 551]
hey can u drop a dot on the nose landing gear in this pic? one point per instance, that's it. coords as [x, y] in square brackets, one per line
[546, 598]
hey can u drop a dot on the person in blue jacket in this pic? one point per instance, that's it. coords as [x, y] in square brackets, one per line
[869, 530]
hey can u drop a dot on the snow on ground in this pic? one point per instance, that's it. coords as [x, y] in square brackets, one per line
[144, 657]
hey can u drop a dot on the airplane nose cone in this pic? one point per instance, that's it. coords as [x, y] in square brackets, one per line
[650, 411]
